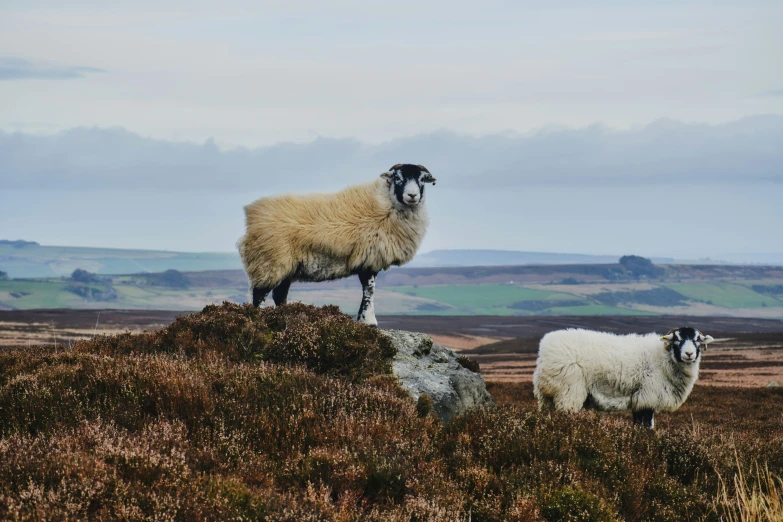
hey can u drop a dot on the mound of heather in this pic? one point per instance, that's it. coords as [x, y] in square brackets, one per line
[324, 340]
[292, 414]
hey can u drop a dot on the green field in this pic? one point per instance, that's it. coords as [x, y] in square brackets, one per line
[36, 261]
[500, 300]
[729, 295]
[481, 296]
[132, 292]
[596, 309]
[53, 293]
[37, 294]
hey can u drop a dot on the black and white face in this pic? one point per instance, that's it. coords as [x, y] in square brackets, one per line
[685, 344]
[406, 184]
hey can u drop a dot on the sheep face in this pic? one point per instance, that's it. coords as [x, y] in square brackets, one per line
[406, 184]
[685, 344]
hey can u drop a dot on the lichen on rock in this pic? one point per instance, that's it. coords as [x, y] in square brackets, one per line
[422, 367]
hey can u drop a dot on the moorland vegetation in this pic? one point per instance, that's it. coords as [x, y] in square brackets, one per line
[292, 413]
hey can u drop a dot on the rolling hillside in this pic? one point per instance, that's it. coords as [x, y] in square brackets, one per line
[610, 289]
[26, 259]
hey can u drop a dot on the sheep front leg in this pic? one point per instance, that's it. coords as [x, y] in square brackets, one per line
[644, 418]
[367, 309]
[280, 293]
[259, 295]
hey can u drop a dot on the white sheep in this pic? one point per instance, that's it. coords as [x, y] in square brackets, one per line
[360, 230]
[643, 373]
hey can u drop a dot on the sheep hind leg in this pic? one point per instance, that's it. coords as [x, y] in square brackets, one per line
[644, 418]
[259, 295]
[366, 313]
[280, 293]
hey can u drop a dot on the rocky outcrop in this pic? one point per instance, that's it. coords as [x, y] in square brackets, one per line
[423, 367]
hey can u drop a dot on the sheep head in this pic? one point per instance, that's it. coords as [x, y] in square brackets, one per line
[685, 344]
[406, 184]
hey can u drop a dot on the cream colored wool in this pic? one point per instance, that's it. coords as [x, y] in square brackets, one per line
[318, 237]
[619, 372]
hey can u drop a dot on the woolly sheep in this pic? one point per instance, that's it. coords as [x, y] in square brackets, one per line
[360, 230]
[643, 373]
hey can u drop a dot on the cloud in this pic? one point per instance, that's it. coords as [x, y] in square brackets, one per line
[20, 69]
[664, 152]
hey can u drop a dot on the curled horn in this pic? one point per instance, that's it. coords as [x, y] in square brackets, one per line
[427, 178]
[388, 175]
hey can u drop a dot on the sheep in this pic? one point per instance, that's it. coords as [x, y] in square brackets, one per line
[360, 230]
[579, 369]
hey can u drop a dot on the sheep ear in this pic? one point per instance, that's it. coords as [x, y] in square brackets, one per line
[387, 176]
[427, 177]
[667, 339]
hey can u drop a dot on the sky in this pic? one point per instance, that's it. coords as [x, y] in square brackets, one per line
[528, 112]
[256, 73]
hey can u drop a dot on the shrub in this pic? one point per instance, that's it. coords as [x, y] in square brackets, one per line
[469, 364]
[424, 405]
[640, 266]
[574, 505]
[83, 276]
[239, 413]
[170, 279]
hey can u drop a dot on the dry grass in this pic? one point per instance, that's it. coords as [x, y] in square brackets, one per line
[291, 414]
[757, 497]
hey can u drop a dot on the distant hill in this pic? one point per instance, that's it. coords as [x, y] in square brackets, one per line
[555, 289]
[24, 259]
[458, 257]
[505, 258]
[28, 259]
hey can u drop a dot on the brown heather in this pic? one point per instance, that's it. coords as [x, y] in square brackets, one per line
[291, 413]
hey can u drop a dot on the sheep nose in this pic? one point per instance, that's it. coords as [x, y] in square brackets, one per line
[412, 197]
[688, 355]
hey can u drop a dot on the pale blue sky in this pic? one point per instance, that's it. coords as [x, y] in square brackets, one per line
[254, 74]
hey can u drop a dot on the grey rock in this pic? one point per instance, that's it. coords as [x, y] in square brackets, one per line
[424, 367]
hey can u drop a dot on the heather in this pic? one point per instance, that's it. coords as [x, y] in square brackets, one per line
[292, 413]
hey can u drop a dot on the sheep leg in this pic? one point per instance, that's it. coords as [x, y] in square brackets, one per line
[259, 294]
[280, 293]
[644, 418]
[571, 392]
[367, 309]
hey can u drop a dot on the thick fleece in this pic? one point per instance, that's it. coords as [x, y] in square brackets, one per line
[582, 368]
[319, 237]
